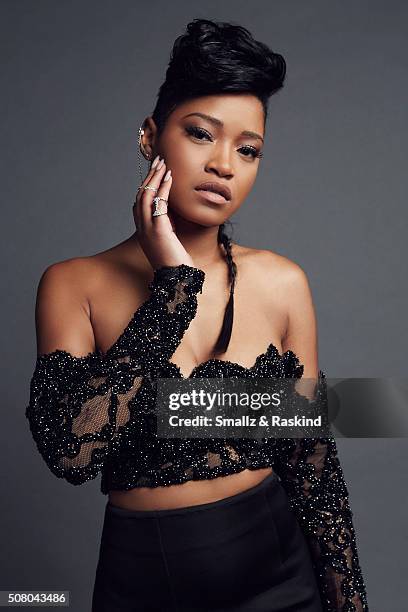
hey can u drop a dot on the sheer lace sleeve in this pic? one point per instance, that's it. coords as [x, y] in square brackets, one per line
[312, 476]
[80, 406]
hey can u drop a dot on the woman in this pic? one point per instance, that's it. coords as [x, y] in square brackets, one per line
[196, 524]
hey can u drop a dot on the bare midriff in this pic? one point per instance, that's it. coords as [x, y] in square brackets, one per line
[191, 493]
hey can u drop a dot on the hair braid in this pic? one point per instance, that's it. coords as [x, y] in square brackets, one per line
[224, 337]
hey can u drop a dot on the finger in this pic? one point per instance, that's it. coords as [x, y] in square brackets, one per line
[149, 175]
[141, 192]
[145, 182]
[162, 222]
[145, 205]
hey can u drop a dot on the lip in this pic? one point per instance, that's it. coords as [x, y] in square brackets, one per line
[215, 188]
[210, 196]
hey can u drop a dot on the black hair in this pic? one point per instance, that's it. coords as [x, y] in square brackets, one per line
[214, 58]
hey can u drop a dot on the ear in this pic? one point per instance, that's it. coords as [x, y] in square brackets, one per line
[148, 139]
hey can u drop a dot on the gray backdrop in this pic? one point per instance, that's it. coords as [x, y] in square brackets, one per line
[78, 77]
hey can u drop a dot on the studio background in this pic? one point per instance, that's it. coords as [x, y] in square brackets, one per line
[78, 78]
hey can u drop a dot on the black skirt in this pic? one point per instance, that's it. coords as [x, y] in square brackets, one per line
[244, 553]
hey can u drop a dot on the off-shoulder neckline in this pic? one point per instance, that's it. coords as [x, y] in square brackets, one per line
[97, 354]
[270, 352]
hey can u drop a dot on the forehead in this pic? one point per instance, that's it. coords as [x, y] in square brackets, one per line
[236, 111]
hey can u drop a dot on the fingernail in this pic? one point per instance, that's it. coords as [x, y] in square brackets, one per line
[160, 164]
[156, 159]
[167, 175]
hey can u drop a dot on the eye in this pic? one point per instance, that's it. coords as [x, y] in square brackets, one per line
[253, 152]
[197, 132]
[201, 134]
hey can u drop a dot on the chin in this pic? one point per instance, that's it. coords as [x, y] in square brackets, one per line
[206, 219]
[207, 216]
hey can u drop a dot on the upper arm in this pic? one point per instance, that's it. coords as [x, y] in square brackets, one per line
[301, 333]
[62, 313]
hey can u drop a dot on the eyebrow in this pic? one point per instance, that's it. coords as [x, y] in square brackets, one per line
[219, 123]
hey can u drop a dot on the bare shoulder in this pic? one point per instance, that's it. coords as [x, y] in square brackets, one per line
[70, 277]
[285, 291]
[62, 311]
[85, 302]
[78, 281]
[270, 268]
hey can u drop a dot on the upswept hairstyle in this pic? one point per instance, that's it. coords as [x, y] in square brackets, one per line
[215, 58]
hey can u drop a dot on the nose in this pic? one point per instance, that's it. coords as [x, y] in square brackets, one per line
[220, 161]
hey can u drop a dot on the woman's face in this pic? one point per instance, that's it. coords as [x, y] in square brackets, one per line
[212, 139]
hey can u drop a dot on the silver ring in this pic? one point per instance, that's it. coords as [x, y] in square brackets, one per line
[157, 213]
[156, 202]
[150, 188]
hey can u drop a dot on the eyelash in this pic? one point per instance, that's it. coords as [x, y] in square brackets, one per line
[193, 131]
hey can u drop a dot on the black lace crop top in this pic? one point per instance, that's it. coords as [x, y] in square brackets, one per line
[96, 414]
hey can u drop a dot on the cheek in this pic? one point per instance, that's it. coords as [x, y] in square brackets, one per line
[187, 169]
[246, 182]
[180, 191]
[183, 161]
[181, 188]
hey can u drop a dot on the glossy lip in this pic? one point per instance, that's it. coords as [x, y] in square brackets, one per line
[211, 196]
[216, 188]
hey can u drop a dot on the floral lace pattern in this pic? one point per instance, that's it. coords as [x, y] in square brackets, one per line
[312, 476]
[96, 414]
